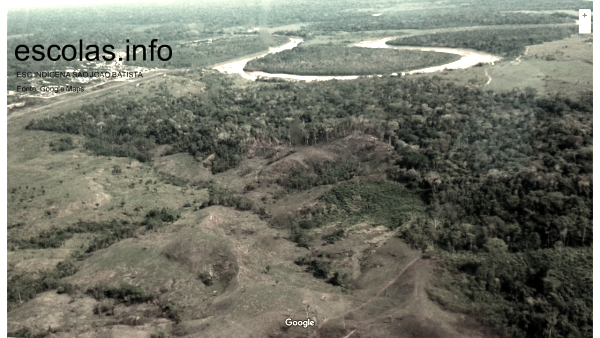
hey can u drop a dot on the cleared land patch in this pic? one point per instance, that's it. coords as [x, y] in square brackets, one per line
[563, 66]
[340, 60]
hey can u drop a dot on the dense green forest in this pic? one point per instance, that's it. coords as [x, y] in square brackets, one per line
[189, 21]
[341, 60]
[536, 293]
[441, 18]
[504, 42]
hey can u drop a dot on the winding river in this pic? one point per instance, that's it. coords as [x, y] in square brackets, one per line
[469, 58]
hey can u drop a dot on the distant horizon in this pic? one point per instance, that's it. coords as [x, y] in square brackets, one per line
[39, 4]
[43, 4]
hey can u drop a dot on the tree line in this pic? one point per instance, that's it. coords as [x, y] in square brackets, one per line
[504, 42]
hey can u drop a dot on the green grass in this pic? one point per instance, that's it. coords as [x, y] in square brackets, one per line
[381, 203]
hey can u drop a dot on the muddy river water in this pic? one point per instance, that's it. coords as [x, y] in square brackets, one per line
[469, 58]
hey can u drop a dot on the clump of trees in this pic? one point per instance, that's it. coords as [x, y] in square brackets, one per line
[124, 293]
[63, 144]
[320, 268]
[107, 233]
[318, 173]
[23, 287]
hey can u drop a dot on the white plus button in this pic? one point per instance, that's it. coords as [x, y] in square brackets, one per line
[585, 21]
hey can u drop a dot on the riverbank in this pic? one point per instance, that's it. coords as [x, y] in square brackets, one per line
[468, 59]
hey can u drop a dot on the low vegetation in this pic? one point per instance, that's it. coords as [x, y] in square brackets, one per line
[125, 293]
[319, 173]
[22, 287]
[380, 203]
[63, 144]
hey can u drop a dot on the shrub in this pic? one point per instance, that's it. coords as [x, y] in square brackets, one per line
[157, 217]
[64, 144]
[339, 279]
[319, 268]
[159, 334]
[116, 170]
[65, 288]
[299, 236]
[123, 293]
[172, 311]
[104, 306]
[334, 237]
[171, 179]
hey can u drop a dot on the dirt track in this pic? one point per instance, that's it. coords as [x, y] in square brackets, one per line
[378, 294]
[401, 307]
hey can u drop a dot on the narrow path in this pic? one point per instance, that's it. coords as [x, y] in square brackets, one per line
[390, 283]
[349, 334]
[489, 78]
[518, 59]
[378, 294]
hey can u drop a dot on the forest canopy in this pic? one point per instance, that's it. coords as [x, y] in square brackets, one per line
[341, 60]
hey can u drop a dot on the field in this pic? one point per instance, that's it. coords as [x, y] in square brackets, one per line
[559, 66]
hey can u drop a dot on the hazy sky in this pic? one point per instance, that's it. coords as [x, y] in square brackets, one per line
[46, 3]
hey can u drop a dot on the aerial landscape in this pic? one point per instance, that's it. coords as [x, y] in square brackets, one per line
[324, 169]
